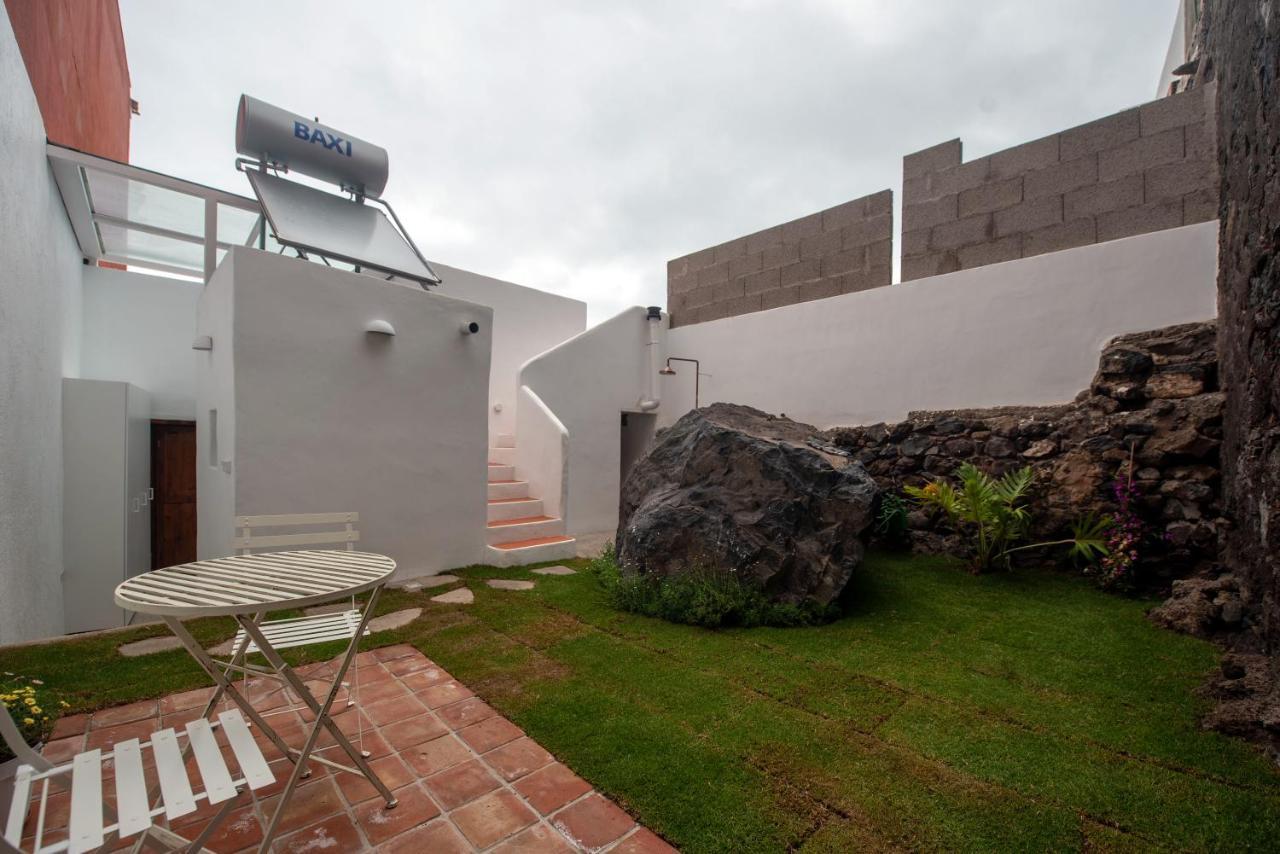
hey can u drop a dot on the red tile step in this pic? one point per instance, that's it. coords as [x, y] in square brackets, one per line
[520, 520]
[535, 541]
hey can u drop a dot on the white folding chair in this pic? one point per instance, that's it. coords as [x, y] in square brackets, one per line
[133, 813]
[258, 533]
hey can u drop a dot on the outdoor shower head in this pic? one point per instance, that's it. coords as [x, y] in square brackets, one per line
[667, 371]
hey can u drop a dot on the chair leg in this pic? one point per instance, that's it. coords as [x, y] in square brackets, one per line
[197, 844]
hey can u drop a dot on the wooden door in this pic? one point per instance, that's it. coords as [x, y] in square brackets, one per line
[173, 507]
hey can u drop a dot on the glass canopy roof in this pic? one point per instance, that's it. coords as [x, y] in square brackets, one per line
[128, 215]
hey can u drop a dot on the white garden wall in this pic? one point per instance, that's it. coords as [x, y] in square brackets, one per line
[138, 329]
[587, 383]
[526, 321]
[40, 269]
[316, 415]
[1022, 332]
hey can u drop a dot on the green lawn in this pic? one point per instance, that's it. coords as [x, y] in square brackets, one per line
[944, 711]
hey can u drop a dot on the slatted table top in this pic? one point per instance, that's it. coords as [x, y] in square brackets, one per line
[249, 584]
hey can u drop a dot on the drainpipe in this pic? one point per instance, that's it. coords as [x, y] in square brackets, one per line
[651, 401]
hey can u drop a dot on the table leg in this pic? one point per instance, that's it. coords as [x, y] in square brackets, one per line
[238, 657]
[224, 685]
[321, 711]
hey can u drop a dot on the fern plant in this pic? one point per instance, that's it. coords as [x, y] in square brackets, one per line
[993, 514]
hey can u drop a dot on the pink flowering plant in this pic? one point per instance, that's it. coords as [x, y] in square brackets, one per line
[1125, 535]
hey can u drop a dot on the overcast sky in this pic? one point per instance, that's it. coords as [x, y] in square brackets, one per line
[577, 146]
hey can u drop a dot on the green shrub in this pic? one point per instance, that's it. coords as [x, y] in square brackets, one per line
[993, 515]
[890, 527]
[700, 597]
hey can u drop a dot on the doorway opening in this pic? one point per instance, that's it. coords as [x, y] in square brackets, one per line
[173, 506]
[637, 432]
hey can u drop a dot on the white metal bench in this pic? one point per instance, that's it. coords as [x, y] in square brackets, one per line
[134, 812]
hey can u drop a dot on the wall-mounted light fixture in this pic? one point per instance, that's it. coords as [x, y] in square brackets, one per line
[380, 327]
[202, 342]
[669, 371]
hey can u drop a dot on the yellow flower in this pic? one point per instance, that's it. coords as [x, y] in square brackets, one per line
[36, 709]
[65, 704]
[28, 721]
[30, 701]
[931, 488]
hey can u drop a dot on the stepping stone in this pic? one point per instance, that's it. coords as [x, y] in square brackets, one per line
[224, 649]
[150, 646]
[425, 582]
[394, 620]
[555, 570]
[461, 596]
[509, 584]
[331, 608]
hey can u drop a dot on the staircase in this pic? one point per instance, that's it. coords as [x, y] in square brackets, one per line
[518, 531]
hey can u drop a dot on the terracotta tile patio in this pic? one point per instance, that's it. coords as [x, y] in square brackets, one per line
[467, 779]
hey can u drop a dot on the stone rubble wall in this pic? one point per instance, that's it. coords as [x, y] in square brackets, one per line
[1153, 405]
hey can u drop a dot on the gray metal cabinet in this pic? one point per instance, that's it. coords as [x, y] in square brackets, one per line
[106, 513]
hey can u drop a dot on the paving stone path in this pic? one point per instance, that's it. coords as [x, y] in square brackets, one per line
[509, 584]
[467, 779]
[149, 646]
[461, 596]
[555, 570]
[425, 582]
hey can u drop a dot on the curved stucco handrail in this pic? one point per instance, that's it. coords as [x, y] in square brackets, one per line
[543, 446]
[581, 385]
[574, 341]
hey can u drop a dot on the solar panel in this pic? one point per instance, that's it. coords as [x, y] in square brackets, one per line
[312, 220]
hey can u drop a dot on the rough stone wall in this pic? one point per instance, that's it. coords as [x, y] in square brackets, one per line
[840, 250]
[1244, 44]
[1141, 170]
[1154, 400]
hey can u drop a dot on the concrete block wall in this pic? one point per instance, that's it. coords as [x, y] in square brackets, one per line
[840, 250]
[1145, 169]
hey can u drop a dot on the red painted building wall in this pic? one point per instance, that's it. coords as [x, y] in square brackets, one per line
[75, 57]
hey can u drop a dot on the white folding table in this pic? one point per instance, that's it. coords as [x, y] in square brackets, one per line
[246, 588]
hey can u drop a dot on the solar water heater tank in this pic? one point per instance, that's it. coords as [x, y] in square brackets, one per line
[299, 144]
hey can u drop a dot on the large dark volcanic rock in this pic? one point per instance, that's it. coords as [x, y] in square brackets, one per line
[733, 488]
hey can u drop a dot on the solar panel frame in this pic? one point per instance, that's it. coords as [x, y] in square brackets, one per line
[317, 222]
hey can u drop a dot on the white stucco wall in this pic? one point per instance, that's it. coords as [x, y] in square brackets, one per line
[39, 312]
[138, 329]
[1021, 332]
[215, 414]
[588, 382]
[526, 322]
[329, 418]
